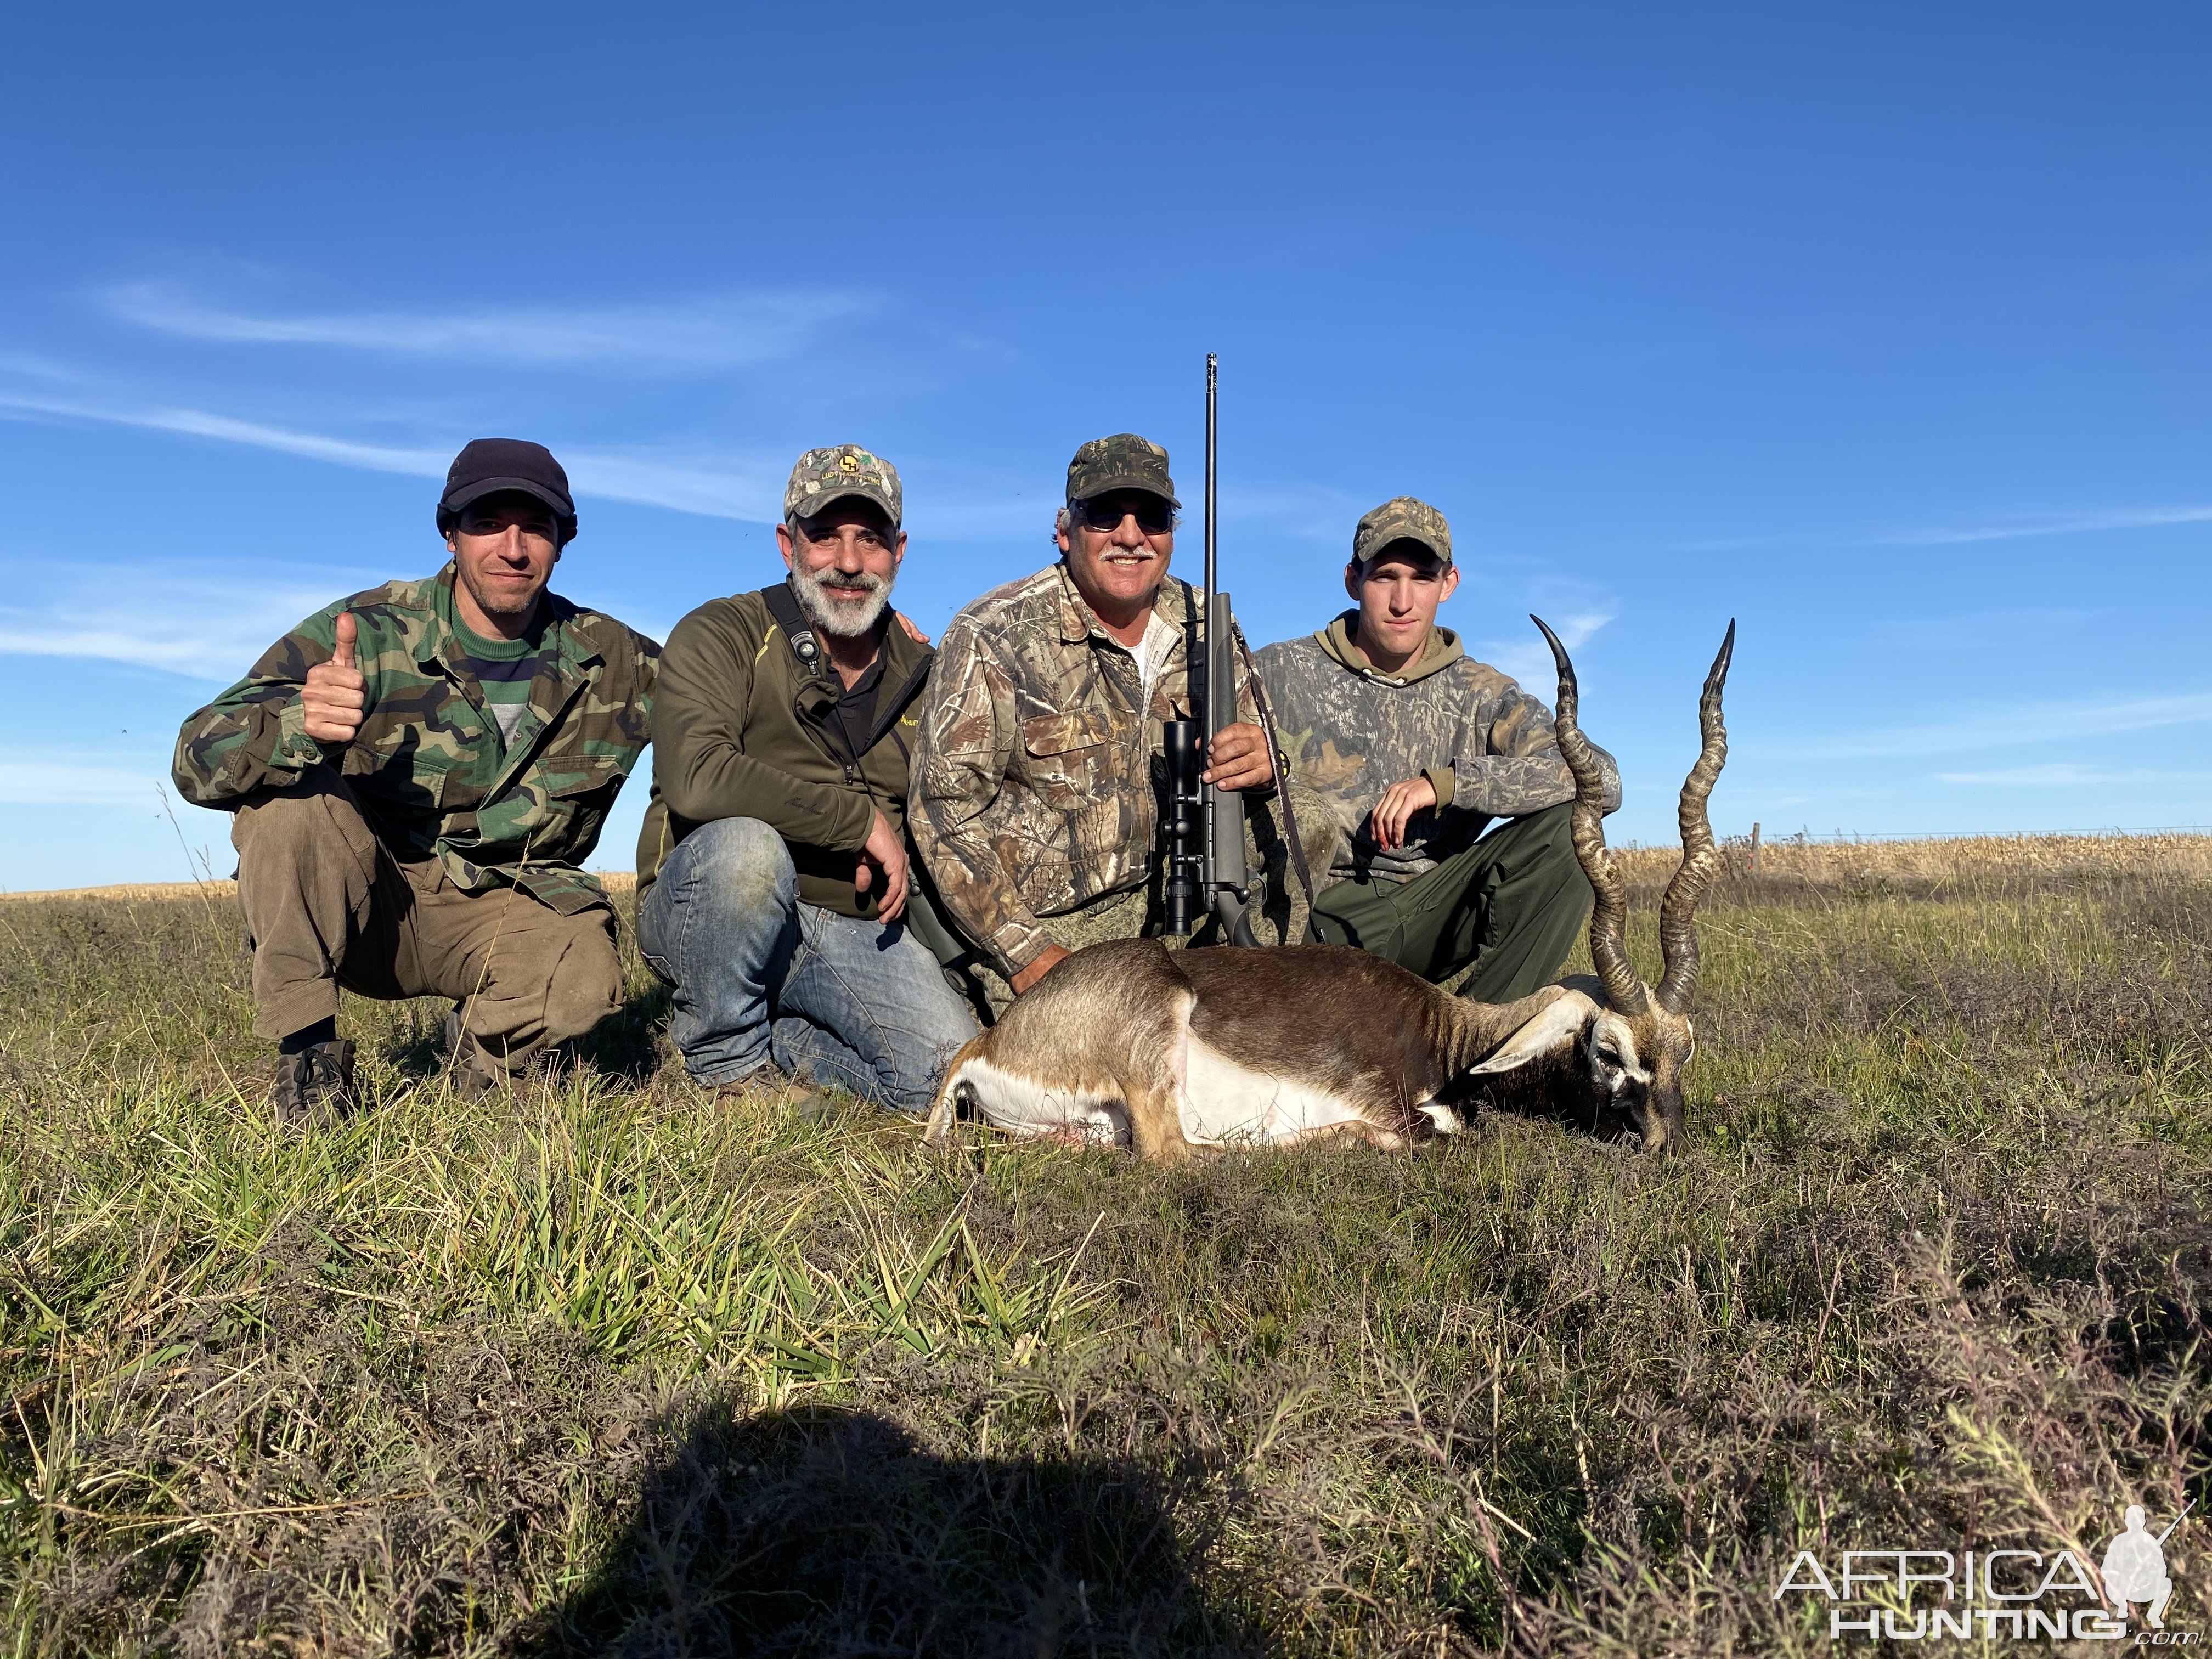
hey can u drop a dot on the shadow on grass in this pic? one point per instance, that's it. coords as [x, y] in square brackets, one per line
[624, 1048]
[829, 1532]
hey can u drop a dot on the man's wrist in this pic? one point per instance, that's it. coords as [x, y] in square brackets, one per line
[294, 748]
[1018, 947]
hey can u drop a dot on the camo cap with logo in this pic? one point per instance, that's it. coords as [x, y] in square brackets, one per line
[1124, 461]
[1401, 520]
[823, 475]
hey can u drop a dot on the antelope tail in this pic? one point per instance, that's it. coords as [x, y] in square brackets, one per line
[1608, 947]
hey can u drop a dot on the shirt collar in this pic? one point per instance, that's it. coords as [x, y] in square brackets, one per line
[1172, 603]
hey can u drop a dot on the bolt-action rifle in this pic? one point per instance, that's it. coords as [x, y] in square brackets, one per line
[1206, 867]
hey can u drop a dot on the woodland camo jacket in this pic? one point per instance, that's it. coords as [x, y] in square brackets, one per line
[1037, 781]
[427, 765]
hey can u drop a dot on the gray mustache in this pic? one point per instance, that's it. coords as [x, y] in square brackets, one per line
[864, 582]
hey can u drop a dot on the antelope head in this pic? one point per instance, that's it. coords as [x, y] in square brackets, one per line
[1635, 1048]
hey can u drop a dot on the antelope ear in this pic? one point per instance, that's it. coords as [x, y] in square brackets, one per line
[1552, 1031]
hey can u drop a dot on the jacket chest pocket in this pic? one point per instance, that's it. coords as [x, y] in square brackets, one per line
[406, 766]
[584, 782]
[1071, 761]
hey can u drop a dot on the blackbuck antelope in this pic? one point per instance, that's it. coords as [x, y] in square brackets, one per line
[1167, 1050]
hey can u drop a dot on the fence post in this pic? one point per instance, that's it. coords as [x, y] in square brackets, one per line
[1754, 849]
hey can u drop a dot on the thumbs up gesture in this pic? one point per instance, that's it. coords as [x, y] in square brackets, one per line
[335, 694]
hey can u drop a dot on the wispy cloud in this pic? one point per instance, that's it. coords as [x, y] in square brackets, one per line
[740, 485]
[1529, 660]
[69, 783]
[696, 335]
[209, 628]
[2062, 773]
[2004, 528]
[2050, 524]
[200, 423]
[732, 486]
[2041, 722]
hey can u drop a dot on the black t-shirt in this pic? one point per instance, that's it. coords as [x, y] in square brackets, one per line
[856, 709]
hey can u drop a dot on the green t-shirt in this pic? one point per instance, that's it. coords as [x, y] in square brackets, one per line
[504, 668]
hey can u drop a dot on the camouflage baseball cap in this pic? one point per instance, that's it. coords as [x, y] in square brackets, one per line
[1398, 520]
[823, 475]
[1124, 461]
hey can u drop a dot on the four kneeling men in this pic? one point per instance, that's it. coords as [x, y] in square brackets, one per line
[416, 773]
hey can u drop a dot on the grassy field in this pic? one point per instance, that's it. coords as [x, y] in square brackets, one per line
[616, 1368]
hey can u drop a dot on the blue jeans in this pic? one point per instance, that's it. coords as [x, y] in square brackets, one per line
[763, 977]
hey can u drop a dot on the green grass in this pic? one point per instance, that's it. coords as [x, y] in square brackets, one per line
[617, 1367]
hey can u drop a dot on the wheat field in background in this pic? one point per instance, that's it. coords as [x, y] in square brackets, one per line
[606, 1365]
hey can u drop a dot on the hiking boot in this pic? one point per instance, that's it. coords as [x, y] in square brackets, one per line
[314, 1086]
[470, 1073]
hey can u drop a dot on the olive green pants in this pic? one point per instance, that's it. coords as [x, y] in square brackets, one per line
[326, 905]
[1511, 905]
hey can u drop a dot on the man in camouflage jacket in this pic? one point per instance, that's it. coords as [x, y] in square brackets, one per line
[414, 776]
[1040, 773]
[1418, 749]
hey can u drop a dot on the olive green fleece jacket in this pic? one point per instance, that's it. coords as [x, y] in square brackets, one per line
[741, 729]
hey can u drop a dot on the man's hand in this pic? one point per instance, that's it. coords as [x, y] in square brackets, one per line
[913, 632]
[1239, 758]
[883, 864]
[1050, 958]
[1387, 822]
[335, 692]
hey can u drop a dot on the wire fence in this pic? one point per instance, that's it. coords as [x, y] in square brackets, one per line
[1854, 837]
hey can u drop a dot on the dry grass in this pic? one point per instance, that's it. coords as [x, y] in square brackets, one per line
[616, 1368]
[1946, 863]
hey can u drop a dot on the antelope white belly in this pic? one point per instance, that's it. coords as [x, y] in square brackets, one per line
[1224, 1102]
[1024, 1106]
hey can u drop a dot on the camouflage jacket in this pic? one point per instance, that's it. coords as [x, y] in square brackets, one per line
[1038, 779]
[1485, 745]
[427, 765]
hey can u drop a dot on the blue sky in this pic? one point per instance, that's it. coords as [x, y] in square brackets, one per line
[1881, 328]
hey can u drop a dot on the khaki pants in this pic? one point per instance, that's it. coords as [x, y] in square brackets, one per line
[327, 905]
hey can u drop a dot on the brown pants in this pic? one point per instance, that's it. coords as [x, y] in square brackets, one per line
[327, 905]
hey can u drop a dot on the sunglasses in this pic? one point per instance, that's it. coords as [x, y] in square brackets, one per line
[1153, 515]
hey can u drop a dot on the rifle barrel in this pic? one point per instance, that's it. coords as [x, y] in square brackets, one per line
[2178, 1519]
[1213, 394]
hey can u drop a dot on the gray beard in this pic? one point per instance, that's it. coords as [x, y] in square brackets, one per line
[847, 619]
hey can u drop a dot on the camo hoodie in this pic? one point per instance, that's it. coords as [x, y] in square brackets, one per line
[427, 764]
[1350, 733]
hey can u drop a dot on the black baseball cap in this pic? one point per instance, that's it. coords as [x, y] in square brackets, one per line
[492, 466]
